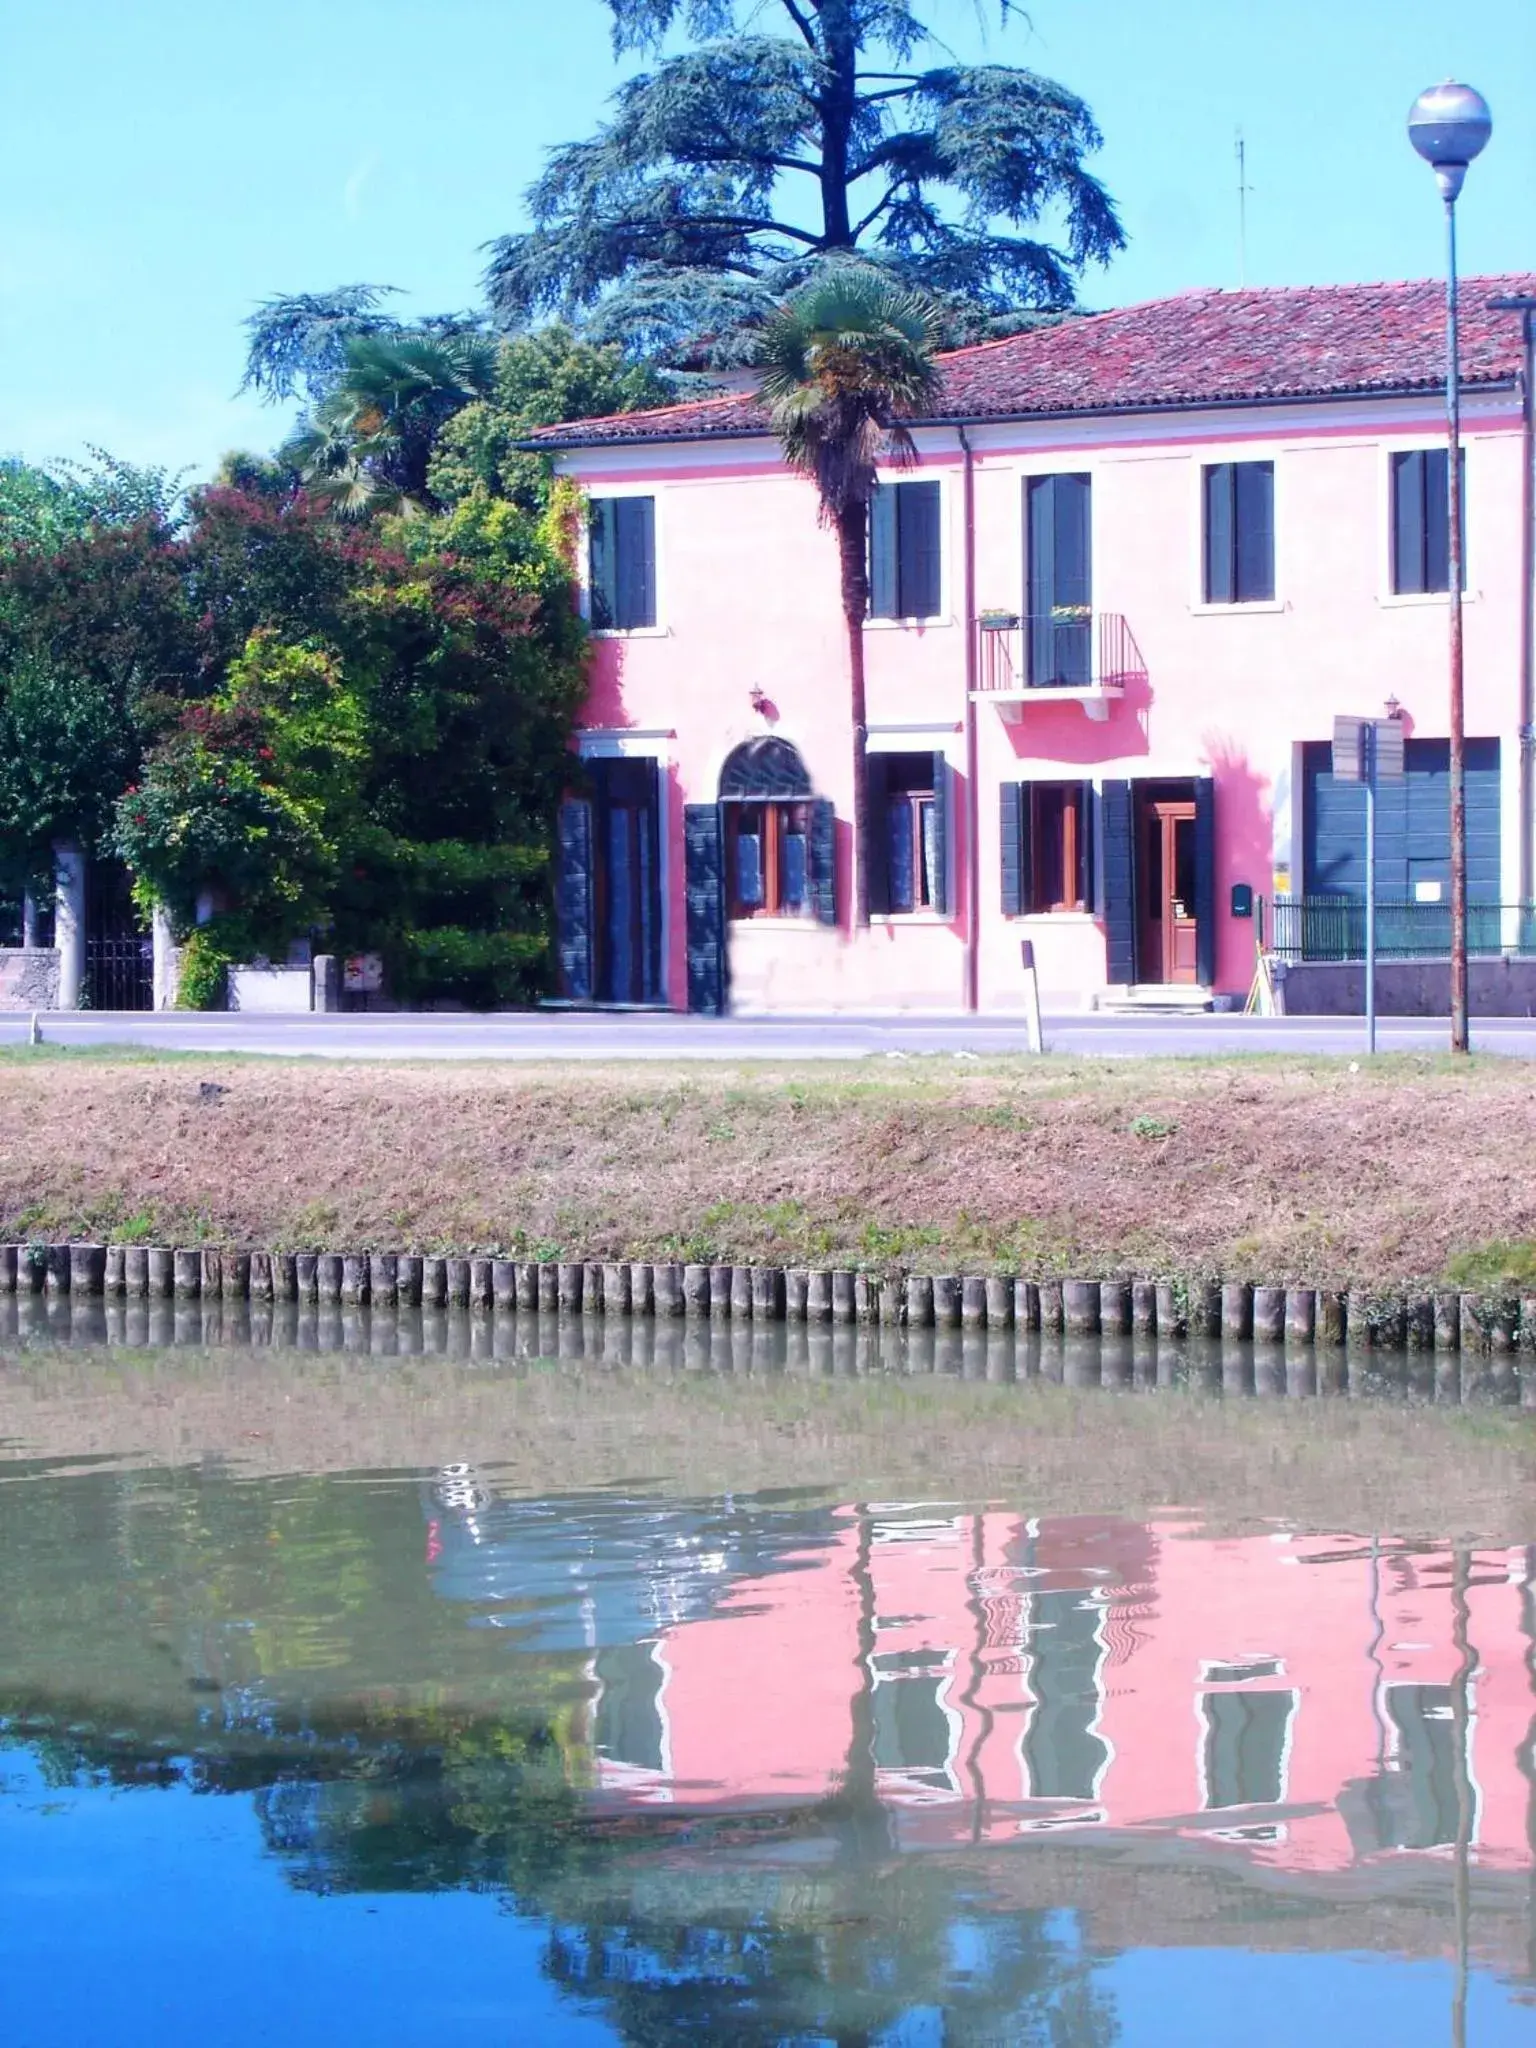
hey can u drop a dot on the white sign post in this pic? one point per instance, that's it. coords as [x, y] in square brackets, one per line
[1363, 750]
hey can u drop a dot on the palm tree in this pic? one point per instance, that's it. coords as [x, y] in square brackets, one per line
[368, 445]
[843, 363]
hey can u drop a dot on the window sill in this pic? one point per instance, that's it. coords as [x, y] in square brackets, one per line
[1052, 917]
[1240, 609]
[795, 922]
[1420, 600]
[936, 919]
[628, 632]
[937, 622]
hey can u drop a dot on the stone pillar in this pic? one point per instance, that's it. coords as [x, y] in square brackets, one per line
[163, 945]
[326, 983]
[28, 922]
[69, 921]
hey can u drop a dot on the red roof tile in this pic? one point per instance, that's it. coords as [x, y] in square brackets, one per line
[1200, 348]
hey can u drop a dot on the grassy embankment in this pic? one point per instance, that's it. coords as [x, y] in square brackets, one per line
[1276, 1169]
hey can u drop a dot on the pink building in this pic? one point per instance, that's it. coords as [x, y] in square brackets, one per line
[1311, 1704]
[1142, 562]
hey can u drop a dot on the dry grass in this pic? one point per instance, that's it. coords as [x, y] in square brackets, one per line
[1278, 1169]
[1238, 1464]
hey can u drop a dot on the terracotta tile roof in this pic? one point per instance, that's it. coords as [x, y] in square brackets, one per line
[1199, 348]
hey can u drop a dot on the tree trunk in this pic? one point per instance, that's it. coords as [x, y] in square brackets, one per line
[837, 101]
[853, 554]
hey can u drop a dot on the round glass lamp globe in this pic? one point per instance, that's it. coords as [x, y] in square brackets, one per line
[1449, 124]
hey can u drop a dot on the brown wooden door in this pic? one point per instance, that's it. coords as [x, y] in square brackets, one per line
[1167, 873]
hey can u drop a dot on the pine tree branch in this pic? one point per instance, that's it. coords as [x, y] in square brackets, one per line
[801, 22]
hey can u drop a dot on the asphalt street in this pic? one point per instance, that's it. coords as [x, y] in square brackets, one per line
[651, 1036]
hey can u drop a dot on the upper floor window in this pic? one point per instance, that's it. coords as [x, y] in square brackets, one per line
[1421, 521]
[904, 552]
[621, 563]
[1239, 532]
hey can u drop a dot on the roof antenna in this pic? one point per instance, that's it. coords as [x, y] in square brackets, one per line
[1243, 189]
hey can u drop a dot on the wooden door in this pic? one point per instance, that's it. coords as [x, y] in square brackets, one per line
[1168, 950]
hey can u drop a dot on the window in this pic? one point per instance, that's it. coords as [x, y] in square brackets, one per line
[1421, 521]
[1064, 1755]
[622, 563]
[629, 1726]
[908, 813]
[767, 849]
[1240, 533]
[904, 552]
[775, 848]
[1246, 1738]
[1047, 836]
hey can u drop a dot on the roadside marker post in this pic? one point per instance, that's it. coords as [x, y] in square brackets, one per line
[1031, 997]
[1368, 750]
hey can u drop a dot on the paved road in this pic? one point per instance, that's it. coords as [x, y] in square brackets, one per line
[653, 1037]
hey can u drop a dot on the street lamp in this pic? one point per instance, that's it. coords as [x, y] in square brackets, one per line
[1449, 125]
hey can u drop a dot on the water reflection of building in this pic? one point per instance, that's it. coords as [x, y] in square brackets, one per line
[1298, 1696]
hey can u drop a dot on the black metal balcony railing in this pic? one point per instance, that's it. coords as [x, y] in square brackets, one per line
[1070, 648]
[1333, 928]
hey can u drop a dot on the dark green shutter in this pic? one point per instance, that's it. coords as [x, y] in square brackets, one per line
[1117, 850]
[1205, 881]
[882, 554]
[1408, 521]
[635, 550]
[704, 896]
[823, 861]
[573, 899]
[1040, 520]
[1254, 513]
[1218, 534]
[917, 550]
[939, 880]
[877, 797]
[1015, 848]
[602, 557]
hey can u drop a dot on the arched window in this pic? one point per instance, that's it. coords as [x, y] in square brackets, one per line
[765, 801]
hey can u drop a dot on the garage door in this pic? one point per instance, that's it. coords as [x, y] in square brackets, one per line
[1413, 826]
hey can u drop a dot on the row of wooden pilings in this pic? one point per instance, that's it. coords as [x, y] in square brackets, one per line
[1424, 1321]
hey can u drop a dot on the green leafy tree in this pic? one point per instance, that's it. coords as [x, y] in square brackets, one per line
[731, 170]
[542, 378]
[94, 633]
[842, 363]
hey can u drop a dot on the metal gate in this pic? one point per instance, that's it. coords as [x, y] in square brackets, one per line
[119, 973]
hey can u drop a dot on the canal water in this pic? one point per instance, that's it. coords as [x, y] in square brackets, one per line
[367, 1680]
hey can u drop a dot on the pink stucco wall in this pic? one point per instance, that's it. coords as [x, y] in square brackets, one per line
[748, 600]
[758, 1703]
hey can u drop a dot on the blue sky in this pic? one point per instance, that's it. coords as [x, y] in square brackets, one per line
[165, 165]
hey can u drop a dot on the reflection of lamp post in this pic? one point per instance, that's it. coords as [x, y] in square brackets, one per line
[1449, 125]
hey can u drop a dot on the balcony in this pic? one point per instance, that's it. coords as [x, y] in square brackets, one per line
[1068, 656]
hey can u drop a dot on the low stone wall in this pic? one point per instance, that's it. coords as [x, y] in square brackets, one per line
[1499, 1329]
[29, 978]
[1406, 988]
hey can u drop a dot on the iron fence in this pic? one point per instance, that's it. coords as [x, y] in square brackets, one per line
[119, 974]
[1333, 928]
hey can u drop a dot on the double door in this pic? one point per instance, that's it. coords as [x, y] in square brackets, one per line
[608, 888]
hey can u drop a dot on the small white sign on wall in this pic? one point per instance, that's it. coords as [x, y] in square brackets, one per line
[1426, 892]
